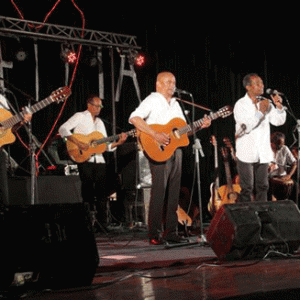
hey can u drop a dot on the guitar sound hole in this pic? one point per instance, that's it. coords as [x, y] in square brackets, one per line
[162, 148]
[176, 133]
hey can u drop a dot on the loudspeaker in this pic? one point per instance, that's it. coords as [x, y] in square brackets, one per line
[53, 243]
[250, 230]
[50, 190]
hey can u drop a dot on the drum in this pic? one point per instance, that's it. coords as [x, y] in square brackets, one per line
[280, 189]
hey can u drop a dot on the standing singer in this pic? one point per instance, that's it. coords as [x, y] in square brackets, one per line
[253, 148]
[161, 107]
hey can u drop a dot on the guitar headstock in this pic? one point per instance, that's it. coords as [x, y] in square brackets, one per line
[213, 140]
[225, 111]
[61, 94]
[132, 133]
[224, 152]
[227, 142]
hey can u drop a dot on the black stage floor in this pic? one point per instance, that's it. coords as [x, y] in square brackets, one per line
[130, 268]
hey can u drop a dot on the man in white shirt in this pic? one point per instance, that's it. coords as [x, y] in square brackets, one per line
[253, 149]
[281, 169]
[160, 108]
[92, 172]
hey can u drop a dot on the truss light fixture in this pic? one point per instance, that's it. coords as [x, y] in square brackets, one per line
[140, 60]
[68, 54]
[21, 55]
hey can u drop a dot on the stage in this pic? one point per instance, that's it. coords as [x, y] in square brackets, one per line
[130, 268]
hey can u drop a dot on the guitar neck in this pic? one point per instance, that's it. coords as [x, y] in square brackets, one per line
[9, 123]
[197, 124]
[217, 181]
[114, 137]
[228, 175]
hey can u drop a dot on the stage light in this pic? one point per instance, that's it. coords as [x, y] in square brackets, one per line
[68, 54]
[140, 60]
[71, 57]
[21, 55]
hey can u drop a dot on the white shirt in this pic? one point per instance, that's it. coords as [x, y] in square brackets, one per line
[283, 158]
[3, 102]
[156, 110]
[254, 144]
[83, 123]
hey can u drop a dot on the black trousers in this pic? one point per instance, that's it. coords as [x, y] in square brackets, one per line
[166, 180]
[253, 175]
[93, 182]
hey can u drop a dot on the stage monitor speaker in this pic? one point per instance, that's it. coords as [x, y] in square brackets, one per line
[49, 190]
[54, 245]
[251, 230]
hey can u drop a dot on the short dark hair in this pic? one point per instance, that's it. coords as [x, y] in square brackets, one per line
[276, 136]
[248, 79]
[91, 99]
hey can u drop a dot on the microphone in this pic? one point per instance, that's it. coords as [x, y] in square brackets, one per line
[273, 92]
[260, 98]
[179, 91]
[242, 131]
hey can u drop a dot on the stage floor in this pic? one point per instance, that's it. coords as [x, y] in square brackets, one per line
[130, 268]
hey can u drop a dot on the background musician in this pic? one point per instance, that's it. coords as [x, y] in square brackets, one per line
[282, 168]
[92, 172]
[161, 107]
[4, 193]
[253, 150]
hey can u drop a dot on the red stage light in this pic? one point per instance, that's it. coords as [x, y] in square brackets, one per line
[71, 57]
[140, 60]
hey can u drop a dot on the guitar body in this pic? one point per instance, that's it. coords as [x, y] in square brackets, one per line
[6, 135]
[82, 155]
[215, 201]
[157, 152]
[229, 194]
[183, 217]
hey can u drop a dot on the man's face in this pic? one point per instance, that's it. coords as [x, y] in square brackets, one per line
[95, 106]
[256, 87]
[166, 85]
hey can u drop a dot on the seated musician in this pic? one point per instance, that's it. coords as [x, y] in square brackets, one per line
[281, 169]
[92, 172]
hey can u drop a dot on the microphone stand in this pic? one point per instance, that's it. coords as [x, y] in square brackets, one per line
[298, 163]
[197, 149]
[290, 111]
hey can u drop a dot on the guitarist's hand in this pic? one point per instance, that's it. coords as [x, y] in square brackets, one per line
[206, 122]
[122, 139]
[82, 146]
[162, 138]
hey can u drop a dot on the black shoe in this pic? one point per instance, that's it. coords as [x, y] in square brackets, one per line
[176, 240]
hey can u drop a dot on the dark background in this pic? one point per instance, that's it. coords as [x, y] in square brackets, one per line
[209, 47]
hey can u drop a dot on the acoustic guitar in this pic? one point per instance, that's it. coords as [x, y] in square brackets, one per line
[229, 193]
[178, 131]
[97, 144]
[7, 121]
[228, 144]
[215, 201]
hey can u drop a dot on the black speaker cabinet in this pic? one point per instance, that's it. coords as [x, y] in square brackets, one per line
[250, 230]
[53, 243]
[49, 190]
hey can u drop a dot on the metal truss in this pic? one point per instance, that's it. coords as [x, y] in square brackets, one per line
[16, 27]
